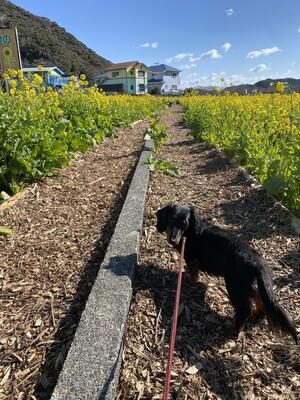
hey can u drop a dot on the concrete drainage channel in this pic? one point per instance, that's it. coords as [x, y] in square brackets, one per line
[91, 369]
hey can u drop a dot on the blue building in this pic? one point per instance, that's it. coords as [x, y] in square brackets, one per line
[53, 76]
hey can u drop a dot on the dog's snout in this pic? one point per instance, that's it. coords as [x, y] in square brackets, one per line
[176, 236]
[173, 240]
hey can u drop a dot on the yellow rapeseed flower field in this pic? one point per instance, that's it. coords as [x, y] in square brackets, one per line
[42, 129]
[262, 132]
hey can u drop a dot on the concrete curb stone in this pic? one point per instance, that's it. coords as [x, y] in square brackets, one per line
[91, 369]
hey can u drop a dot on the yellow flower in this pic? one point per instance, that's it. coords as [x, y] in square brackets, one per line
[13, 83]
[37, 80]
[13, 73]
[40, 68]
[32, 92]
[12, 91]
[280, 87]
[25, 86]
[82, 77]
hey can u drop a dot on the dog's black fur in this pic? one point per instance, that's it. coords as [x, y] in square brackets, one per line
[211, 249]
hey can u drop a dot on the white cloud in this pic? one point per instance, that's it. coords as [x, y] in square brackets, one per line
[226, 47]
[203, 81]
[187, 66]
[298, 30]
[181, 56]
[259, 68]
[193, 59]
[263, 52]
[154, 45]
[214, 79]
[212, 54]
[293, 64]
[229, 12]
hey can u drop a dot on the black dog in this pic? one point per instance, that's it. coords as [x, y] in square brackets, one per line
[211, 249]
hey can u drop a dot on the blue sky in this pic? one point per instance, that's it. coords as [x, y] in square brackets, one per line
[243, 41]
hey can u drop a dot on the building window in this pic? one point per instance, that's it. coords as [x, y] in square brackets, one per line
[131, 72]
[131, 87]
[141, 87]
[174, 87]
[114, 74]
[174, 74]
[141, 74]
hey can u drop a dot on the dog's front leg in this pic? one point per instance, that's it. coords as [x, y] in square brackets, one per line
[193, 269]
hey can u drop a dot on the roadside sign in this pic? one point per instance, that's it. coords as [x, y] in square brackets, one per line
[9, 50]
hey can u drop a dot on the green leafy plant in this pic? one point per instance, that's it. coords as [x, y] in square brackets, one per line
[157, 132]
[163, 166]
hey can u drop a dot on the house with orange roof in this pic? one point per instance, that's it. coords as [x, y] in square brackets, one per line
[128, 77]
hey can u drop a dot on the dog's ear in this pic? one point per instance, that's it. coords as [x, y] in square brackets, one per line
[162, 217]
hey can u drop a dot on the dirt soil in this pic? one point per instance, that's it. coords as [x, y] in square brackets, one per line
[61, 228]
[209, 363]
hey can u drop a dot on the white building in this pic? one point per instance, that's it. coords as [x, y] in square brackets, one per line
[163, 79]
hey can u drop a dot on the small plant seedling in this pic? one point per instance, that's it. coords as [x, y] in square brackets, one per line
[163, 166]
[5, 231]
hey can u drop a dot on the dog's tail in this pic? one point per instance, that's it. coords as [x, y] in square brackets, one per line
[277, 317]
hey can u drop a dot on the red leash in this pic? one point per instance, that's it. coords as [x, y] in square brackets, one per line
[174, 326]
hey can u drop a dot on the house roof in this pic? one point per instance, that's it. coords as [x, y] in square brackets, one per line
[162, 68]
[124, 65]
[45, 69]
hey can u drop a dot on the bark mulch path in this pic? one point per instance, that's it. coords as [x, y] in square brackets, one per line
[61, 227]
[208, 362]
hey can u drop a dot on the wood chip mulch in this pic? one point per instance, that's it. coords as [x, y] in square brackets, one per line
[208, 362]
[61, 228]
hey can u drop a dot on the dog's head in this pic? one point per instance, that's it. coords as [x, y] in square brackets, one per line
[174, 220]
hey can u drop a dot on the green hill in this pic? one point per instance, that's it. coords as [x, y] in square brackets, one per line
[45, 42]
[265, 86]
